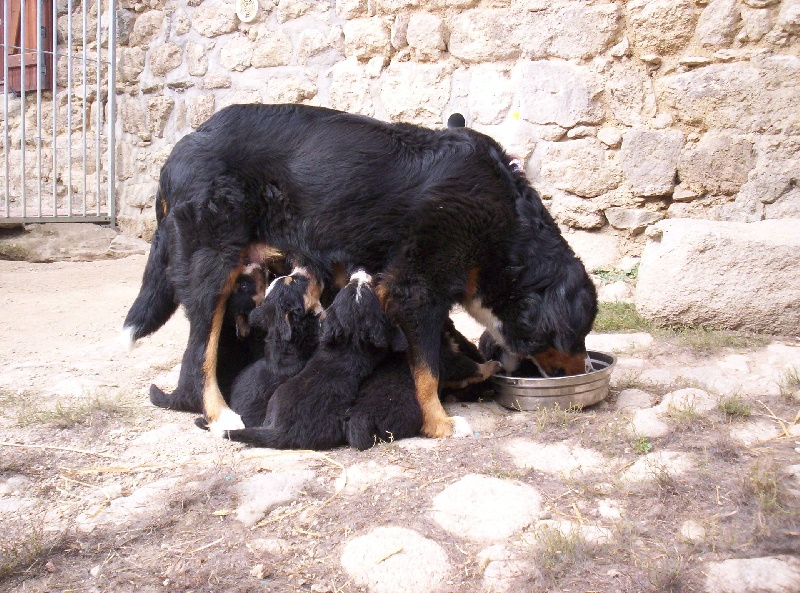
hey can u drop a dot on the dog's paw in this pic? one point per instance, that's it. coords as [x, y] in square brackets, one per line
[461, 428]
[228, 420]
[125, 339]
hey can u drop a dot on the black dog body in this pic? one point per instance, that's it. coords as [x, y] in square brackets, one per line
[310, 410]
[442, 215]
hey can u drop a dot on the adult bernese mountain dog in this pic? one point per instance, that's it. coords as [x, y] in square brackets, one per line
[442, 216]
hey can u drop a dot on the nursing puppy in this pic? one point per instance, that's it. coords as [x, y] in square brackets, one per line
[239, 345]
[310, 410]
[291, 327]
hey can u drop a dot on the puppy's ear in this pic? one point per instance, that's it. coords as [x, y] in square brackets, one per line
[284, 326]
[262, 316]
[399, 343]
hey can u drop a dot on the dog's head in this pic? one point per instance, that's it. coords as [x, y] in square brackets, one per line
[355, 318]
[549, 325]
[288, 302]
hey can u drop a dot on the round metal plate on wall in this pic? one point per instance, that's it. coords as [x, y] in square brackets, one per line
[246, 10]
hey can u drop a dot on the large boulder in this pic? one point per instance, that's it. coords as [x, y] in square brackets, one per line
[727, 275]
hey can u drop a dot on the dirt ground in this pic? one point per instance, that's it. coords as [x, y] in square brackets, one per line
[80, 439]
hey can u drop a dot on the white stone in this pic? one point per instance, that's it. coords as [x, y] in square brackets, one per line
[261, 493]
[165, 59]
[722, 274]
[647, 422]
[653, 465]
[485, 35]
[562, 459]
[236, 53]
[361, 476]
[415, 93]
[688, 400]
[660, 26]
[649, 159]
[311, 46]
[294, 89]
[365, 38]
[575, 212]
[350, 88]
[718, 22]
[147, 26]
[633, 399]
[395, 560]
[505, 570]
[486, 509]
[693, 532]
[557, 92]
[425, 34]
[610, 136]
[629, 93]
[196, 59]
[273, 48]
[633, 220]
[214, 18]
[772, 574]
[717, 164]
[575, 30]
[616, 292]
[200, 109]
[351, 9]
[581, 167]
[597, 251]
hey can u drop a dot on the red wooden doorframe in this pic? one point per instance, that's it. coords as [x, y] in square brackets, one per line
[11, 47]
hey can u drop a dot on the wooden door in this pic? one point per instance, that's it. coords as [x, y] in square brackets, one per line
[12, 46]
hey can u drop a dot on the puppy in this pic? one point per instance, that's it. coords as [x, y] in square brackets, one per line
[239, 344]
[310, 410]
[387, 409]
[291, 326]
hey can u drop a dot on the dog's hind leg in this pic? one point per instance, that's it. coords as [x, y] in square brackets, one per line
[221, 418]
[156, 302]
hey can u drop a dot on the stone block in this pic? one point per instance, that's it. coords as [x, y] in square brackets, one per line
[350, 88]
[491, 92]
[200, 109]
[311, 43]
[649, 159]
[273, 48]
[147, 26]
[236, 53]
[581, 167]
[425, 34]
[366, 38]
[741, 276]
[575, 212]
[717, 164]
[557, 92]
[158, 112]
[718, 23]
[215, 18]
[415, 93]
[484, 35]
[294, 89]
[351, 9]
[130, 64]
[165, 58]
[661, 26]
[196, 59]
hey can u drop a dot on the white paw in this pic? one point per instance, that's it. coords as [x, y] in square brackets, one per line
[125, 339]
[461, 427]
[228, 420]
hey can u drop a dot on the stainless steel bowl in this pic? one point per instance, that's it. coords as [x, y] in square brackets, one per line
[577, 391]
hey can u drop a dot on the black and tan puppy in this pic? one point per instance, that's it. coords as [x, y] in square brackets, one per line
[310, 410]
[291, 327]
[239, 345]
[387, 409]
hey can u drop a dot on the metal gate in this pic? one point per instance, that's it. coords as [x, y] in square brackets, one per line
[59, 110]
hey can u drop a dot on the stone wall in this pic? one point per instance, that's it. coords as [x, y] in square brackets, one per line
[623, 112]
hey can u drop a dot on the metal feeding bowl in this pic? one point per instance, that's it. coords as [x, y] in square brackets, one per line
[575, 391]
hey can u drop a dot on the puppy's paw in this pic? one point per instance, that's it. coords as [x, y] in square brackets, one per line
[228, 420]
[461, 427]
[125, 339]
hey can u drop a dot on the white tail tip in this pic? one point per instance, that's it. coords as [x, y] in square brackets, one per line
[125, 339]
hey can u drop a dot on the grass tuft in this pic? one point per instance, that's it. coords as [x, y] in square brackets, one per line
[790, 382]
[558, 551]
[80, 412]
[615, 317]
[764, 483]
[735, 407]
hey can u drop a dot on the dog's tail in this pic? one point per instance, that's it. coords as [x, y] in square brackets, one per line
[155, 303]
[261, 436]
[175, 401]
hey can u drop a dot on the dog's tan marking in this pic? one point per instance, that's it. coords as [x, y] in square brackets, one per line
[313, 292]
[382, 292]
[551, 360]
[435, 421]
[471, 288]
[213, 402]
[339, 272]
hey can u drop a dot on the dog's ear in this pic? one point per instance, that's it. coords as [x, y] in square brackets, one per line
[399, 343]
[261, 316]
[284, 326]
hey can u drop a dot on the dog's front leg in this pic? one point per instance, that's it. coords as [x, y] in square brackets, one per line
[423, 329]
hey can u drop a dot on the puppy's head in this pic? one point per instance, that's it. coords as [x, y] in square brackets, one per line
[288, 300]
[248, 292]
[355, 317]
